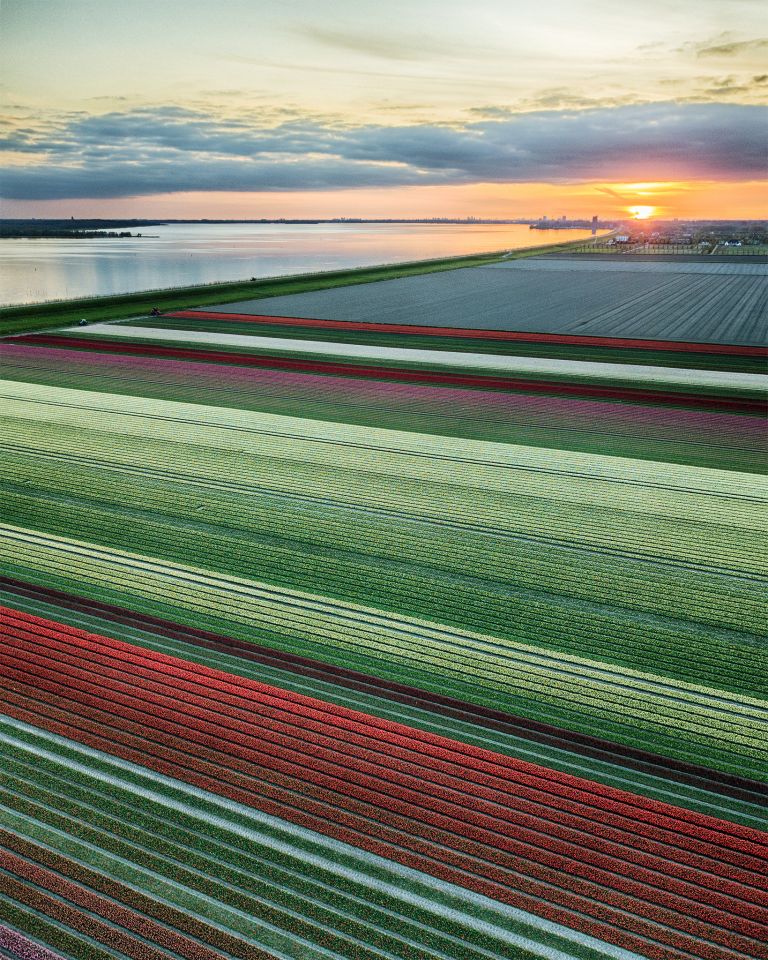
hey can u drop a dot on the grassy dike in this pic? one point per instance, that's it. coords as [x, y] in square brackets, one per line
[29, 317]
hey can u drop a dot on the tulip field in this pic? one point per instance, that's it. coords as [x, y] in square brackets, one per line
[365, 651]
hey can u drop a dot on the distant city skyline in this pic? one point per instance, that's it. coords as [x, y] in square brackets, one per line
[134, 108]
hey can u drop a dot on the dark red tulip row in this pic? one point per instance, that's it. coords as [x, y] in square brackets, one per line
[62, 877]
[515, 336]
[406, 375]
[538, 839]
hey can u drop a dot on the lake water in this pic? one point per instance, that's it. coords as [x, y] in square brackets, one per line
[182, 254]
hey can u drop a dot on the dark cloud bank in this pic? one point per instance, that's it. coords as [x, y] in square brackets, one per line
[167, 150]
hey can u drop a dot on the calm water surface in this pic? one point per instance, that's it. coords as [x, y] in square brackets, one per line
[182, 254]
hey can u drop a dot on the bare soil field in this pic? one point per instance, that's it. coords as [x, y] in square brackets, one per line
[702, 301]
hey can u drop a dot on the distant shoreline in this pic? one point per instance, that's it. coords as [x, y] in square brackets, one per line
[73, 235]
[101, 229]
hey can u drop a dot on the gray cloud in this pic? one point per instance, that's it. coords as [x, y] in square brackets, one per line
[732, 48]
[725, 87]
[611, 193]
[705, 89]
[405, 46]
[413, 47]
[155, 176]
[172, 149]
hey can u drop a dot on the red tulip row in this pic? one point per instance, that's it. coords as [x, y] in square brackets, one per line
[603, 922]
[602, 749]
[675, 346]
[205, 686]
[473, 814]
[514, 384]
[465, 812]
[326, 914]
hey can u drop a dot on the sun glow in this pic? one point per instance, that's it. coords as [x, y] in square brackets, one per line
[641, 212]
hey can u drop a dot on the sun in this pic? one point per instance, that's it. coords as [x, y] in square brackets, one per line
[642, 213]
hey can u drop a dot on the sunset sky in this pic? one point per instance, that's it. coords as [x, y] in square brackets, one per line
[251, 108]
